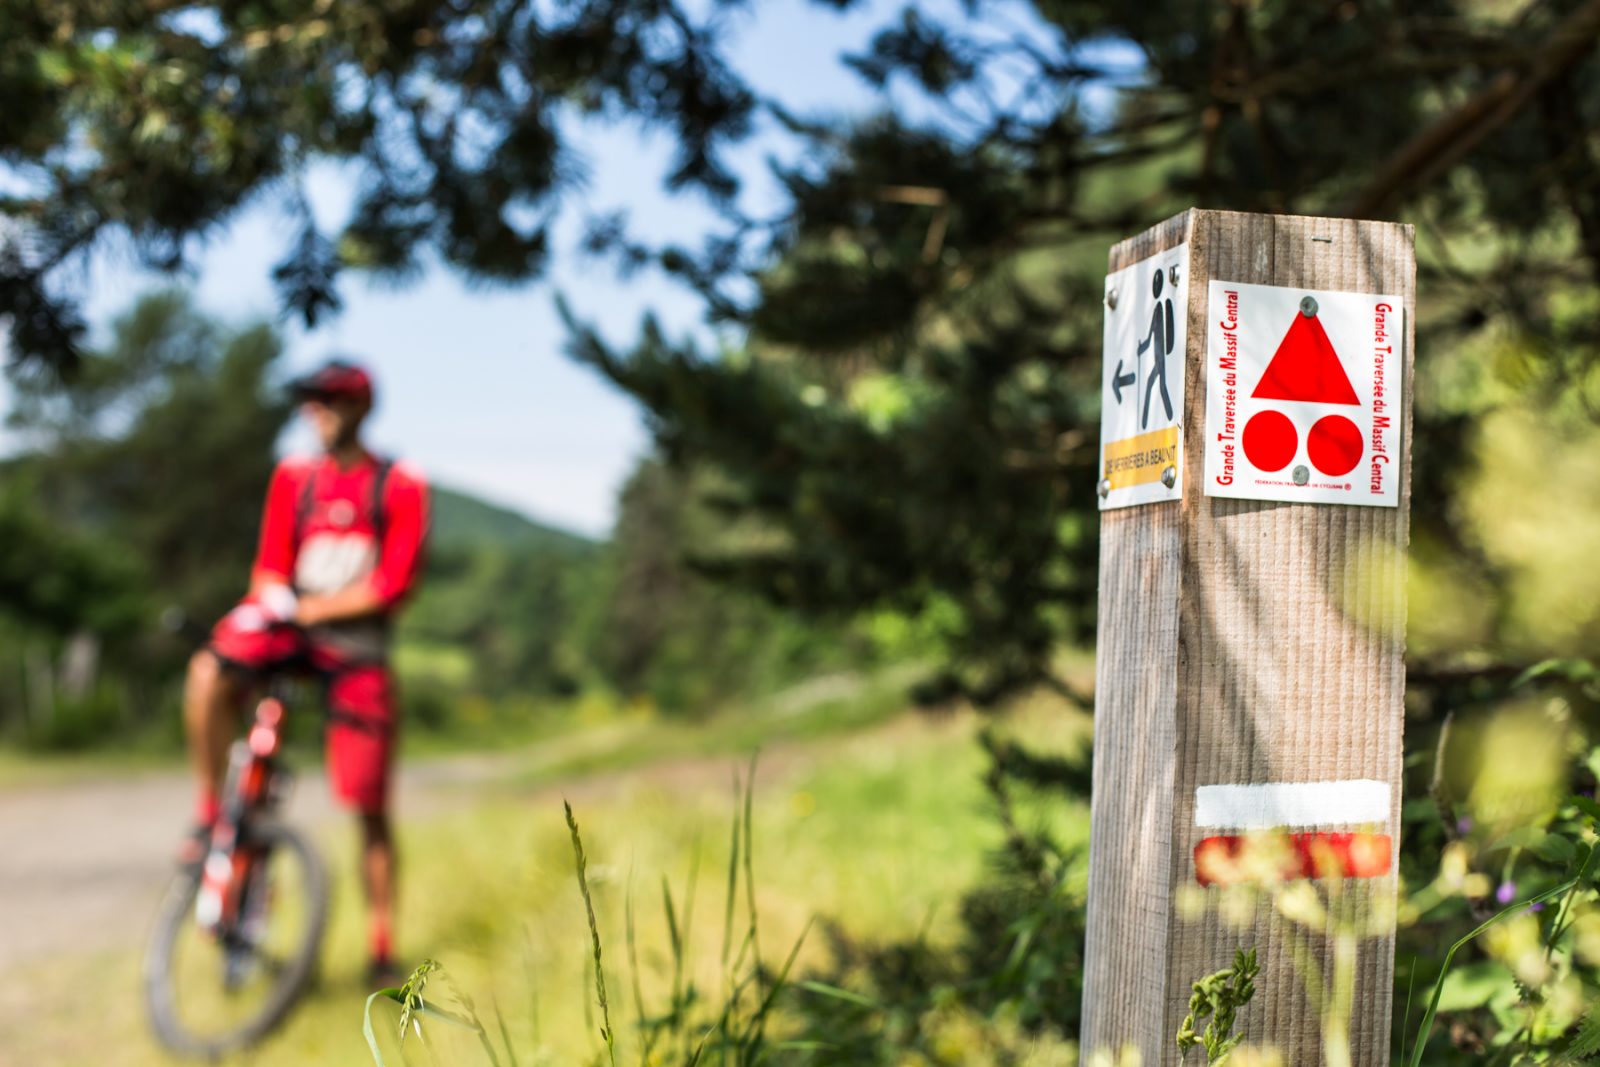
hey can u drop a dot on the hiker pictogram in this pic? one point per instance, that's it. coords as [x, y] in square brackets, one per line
[1159, 339]
[1142, 375]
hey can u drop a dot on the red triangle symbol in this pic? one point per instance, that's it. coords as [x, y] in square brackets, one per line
[1306, 367]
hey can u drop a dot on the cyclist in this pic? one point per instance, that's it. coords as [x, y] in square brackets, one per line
[341, 544]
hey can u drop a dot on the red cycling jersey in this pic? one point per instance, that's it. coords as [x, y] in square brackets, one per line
[322, 532]
[321, 528]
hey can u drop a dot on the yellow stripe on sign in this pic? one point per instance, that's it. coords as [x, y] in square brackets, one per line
[1141, 459]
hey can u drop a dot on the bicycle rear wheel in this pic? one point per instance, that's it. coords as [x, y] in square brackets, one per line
[208, 994]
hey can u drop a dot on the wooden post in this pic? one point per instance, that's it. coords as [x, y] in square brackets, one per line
[1250, 674]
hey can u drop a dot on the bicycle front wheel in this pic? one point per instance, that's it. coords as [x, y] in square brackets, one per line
[209, 994]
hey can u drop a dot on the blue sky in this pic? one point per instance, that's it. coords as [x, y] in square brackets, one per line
[473, 385]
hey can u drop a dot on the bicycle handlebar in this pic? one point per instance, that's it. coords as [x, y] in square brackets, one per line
[178, 622]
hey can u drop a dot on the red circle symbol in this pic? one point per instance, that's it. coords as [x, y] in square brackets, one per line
[1270, 440]
[1335, 445]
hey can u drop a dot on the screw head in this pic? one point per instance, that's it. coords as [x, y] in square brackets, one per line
[1111, 299]
[1308, 306]
[1301, 474]
[1169, 477]
[1172, 274]
[1105, 488]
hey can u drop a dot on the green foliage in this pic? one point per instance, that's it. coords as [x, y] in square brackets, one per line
[657, 624]
[1017, 964]
[57, 582]
[156, 123]
[1515, 904]
[496, 619]
[457, 520]
[139, 486]
[911, 418]
[692, 1030]
[947, 509]
[162, 446]
[1218, 998]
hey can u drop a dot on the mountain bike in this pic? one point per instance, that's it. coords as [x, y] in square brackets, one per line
[237, 934]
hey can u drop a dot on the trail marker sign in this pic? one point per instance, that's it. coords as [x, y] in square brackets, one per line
[1250, 671]
[1143, 367]
[1303, 394]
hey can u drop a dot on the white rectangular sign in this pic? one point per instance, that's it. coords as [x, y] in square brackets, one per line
[1279, 805]
[1141, 381]
[1303, 395]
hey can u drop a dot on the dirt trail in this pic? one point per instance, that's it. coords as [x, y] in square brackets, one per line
[82, 864]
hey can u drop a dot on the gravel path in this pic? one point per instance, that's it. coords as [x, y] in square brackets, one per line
[83, 863]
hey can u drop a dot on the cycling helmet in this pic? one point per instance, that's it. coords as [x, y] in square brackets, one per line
[336, 378]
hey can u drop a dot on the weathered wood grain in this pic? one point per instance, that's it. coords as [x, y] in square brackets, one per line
[1241, 642]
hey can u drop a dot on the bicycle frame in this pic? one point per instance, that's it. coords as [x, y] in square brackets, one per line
[231, 902]
[252, 774]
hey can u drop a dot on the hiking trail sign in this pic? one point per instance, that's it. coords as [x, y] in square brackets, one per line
[1303, 391]
[1250, 673]
[1141, 396]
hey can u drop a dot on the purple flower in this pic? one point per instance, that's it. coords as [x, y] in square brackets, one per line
[1506, 893]
[1536, 907]
[1464, 825]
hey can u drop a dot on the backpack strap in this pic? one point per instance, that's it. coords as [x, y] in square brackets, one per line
[379, 513]
[375, 508]
[303, 505]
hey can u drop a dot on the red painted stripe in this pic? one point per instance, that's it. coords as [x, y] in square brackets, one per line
[1234, 859]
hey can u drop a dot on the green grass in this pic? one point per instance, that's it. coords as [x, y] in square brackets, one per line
[21, 767]
[879, 827]
[545, 738]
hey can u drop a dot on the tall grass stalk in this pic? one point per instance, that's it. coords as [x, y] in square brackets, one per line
[749, 872]
[1425, 1029]
[414, 1007]
[678, 933]
[594, 935]
[737, 1029]
[733, 883]
[646, 1032]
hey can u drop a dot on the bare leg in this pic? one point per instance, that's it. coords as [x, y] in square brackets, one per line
[210, 697]
[378, 877]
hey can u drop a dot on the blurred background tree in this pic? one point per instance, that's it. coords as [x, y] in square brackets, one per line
[925, 301]
[148, 471]
[915, 415]
[150, 123]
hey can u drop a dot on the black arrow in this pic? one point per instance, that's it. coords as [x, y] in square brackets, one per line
[1118, 380]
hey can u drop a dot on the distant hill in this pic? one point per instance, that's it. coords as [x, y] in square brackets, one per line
[461, 520]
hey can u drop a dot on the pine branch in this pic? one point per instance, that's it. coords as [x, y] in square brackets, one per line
[1442, 145]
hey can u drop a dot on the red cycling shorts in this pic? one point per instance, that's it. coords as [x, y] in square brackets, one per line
[361, 723]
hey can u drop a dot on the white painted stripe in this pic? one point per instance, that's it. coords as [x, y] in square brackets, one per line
[1291, 804]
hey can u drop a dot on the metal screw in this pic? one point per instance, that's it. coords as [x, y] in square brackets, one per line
[1172, 274]
[1301, 475]
[1308, 306]
[1105, 488]
[1111, 300]
[1169, 477]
